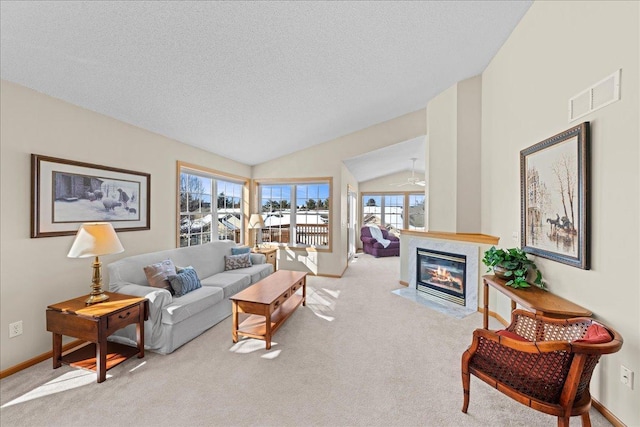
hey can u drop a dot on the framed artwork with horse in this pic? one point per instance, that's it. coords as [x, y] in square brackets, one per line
[554, 197]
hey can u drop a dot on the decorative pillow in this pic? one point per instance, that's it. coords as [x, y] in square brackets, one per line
[181, 269]
[512, 335]
[595, 334]
[185, 281]
[233, 262]
[158, 273]
[240, 250]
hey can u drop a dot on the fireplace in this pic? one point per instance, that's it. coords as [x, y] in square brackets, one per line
[441, 274]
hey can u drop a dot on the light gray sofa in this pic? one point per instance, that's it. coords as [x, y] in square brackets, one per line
[173, 321]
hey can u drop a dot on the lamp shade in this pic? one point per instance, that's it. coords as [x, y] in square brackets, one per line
[95, 239]
[256, 221]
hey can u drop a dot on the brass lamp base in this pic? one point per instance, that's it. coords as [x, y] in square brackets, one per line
[97, 298]
[97, 294]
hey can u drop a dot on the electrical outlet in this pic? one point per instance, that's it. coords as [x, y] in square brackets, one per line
[626, 376]
[516, 236]
[15, 329]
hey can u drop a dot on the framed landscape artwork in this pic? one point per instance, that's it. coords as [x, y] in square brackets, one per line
[554, 197]
[65, 194]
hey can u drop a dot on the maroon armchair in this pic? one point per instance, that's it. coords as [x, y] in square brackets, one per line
[371, 246]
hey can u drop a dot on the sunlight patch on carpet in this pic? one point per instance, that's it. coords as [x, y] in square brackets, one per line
[138, 366]
[271, 355]
[322, 302]
[67, 381]
[249, 345]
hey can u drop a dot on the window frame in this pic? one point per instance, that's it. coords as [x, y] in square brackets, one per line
[382, 194]
[215, 175]
[294, 182]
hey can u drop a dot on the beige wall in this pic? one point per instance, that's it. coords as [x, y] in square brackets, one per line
[557, 50]
[36, 272]
[453, 158]
[324, 160]
[441, 160]
[468, 155]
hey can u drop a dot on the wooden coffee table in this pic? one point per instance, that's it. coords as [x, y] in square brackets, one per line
[269, 303]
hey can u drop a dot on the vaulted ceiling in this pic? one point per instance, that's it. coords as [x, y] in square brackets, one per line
[251, 81]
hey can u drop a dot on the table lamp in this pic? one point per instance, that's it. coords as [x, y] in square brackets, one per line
[255, 223]
[92, 240]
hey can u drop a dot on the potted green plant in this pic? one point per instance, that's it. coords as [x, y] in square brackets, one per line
[512, 265]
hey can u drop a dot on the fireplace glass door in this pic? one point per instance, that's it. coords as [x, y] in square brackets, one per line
[442, 275]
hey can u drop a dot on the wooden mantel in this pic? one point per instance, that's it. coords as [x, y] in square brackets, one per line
[484, 239]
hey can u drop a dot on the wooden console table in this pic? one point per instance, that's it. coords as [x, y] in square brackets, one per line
[541, 302]
[94, 323]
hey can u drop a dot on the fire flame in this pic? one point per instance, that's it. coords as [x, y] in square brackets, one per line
[443, 274]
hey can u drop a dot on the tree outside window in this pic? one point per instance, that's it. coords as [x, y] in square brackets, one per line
[201, 220]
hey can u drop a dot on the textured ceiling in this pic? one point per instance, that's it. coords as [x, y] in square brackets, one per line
[251, 81]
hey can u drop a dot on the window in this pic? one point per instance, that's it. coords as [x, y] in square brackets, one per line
[388, 210]
[296, 214]
[416, 212]
[203, 197]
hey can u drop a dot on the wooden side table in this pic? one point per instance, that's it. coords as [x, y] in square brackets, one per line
[94, 323]
[541, 302]
[270, 253]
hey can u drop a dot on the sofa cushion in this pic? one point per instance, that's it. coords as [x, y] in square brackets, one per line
[234, 262]
[158, 274]
[230, 283]
[240, 250]
[194, 302]
[184, 281]
[257, 272]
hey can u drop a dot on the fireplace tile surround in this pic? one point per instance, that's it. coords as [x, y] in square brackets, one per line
[464, 244]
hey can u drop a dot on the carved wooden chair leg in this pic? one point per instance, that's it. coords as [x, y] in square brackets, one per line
[563, 421]
[466, 380]
[586, 421]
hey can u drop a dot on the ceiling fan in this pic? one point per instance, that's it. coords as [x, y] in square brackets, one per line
[413, 179]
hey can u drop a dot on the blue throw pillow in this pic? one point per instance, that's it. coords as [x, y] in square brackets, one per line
[240, 250]
[185, 281]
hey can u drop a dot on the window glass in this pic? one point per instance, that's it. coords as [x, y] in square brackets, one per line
[229, 210]
[296, 213]
[198, 210]
[393, 210]
[388, 210]
[372, 209]
[416, 212]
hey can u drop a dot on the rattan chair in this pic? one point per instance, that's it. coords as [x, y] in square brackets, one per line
[549, 372]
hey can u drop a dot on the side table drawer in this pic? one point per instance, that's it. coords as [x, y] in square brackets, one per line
[123, 318]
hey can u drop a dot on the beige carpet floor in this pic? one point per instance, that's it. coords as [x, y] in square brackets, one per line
[357, 355]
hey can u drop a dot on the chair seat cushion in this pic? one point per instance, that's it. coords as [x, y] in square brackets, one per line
[512, 335]
[393, 244]
[595, 334]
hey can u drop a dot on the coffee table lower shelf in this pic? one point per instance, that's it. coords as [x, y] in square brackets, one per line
[255, 325]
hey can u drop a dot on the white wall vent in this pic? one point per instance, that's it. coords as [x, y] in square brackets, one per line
[605, 92]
